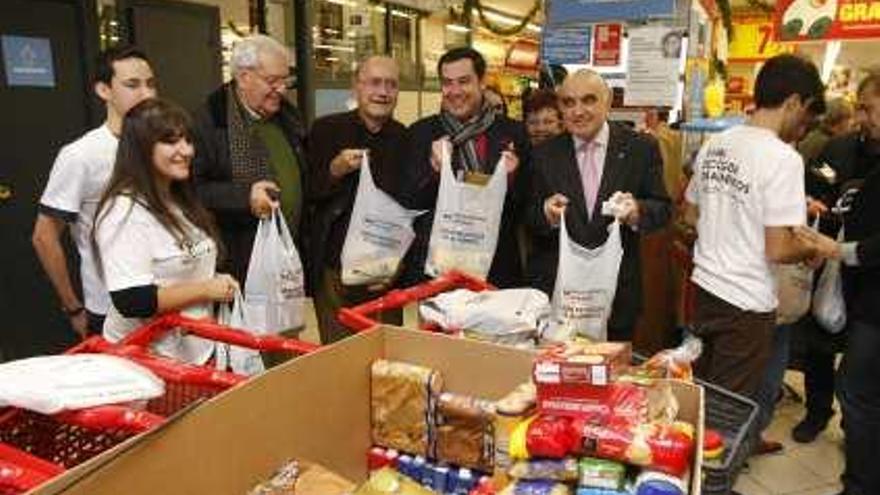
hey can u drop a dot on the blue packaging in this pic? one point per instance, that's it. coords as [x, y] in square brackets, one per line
[426, 476]
[461, 482]
[418, 468]
[658, 487]
[441, 478]
[600, 491]
[405, 465]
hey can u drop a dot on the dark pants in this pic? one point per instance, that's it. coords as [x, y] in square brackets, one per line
[773, 376]
[736, 344]
[859, 395]
[819, 350]
[331, 296]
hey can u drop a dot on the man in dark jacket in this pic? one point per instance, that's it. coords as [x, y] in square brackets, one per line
[621, 160]
[338, 143]
[250, 154]
[478, 137]
[858, 156]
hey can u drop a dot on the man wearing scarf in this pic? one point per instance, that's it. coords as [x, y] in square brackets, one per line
[250, 156]
[479, 137]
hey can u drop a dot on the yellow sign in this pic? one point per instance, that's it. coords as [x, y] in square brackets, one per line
[753, 41]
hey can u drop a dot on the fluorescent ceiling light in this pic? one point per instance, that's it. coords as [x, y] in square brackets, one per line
[458, 28]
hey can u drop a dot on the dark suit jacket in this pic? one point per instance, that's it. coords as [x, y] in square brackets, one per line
[419, 191]
[632, 164]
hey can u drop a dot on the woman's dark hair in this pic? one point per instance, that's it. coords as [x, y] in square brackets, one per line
[150, 122]
[540, 99]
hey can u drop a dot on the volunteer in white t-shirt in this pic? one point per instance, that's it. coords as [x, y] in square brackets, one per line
[81, 170]
[746, 194]
[155, 242]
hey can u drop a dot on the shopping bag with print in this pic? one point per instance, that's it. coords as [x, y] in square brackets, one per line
[379, 234]
[466, 222]
[586, 282]
[274, 292]
[794, 288]
[829, 307]
[241, 360]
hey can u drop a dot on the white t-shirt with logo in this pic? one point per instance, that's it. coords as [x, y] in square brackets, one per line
[78, 178]
[745, 179]
[136, 250]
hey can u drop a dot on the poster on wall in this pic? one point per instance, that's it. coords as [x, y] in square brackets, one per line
[652, 78]
[566, 45]
[606, 44]
[753, 40]
[810, 20]
[27, 61]
[579, 11]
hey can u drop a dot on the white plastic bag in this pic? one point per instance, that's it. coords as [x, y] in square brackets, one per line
[586, 281]
[240, 360]
[829, 307]
[379, 234]
[274, 292]
[51, 384]
[466, 222]
[794, 289]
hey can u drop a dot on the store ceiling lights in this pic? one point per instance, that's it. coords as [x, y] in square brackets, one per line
[506, 19]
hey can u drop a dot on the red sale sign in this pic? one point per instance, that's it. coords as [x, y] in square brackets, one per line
[606, 44]
[810, 20]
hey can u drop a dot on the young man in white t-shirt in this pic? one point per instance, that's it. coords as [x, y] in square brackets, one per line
[81, 171]
[745, 196]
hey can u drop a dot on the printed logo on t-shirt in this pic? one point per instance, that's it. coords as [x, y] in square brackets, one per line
[721, 174]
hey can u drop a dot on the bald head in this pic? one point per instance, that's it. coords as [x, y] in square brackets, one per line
[376, 84]
[585, 100]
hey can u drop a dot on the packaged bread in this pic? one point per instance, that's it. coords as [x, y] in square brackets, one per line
[536, 487]
[563, 470]
[304, 478]
[403, 401]
[387, 481]
[465, 433]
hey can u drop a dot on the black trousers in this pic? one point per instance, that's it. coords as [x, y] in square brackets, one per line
[859, 395]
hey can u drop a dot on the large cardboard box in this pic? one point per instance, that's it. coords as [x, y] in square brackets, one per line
[316, 407]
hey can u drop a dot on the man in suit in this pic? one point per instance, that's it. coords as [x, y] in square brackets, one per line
[478, 137]
[579, 170]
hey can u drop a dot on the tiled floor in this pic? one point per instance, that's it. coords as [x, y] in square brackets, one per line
[801, 469]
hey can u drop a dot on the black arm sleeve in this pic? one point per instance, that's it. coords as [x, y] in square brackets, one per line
[136, 302]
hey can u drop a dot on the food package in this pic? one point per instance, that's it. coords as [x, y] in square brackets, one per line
[601, 491]
[660, 446]
[304, 478]
[509, 412]
[465, 435]
[675, 363]
[578, 363]
[403, 400]
[386, 481]
[536, 487]
[653, 482]
[551, 436]
[563, 470]
[601, 473]
[595, 404]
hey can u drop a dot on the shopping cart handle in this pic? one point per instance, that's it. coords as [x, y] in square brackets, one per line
[112, 417]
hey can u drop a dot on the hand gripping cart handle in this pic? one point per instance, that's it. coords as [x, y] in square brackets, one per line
[358, 317]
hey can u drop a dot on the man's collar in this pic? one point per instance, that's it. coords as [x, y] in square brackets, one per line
[252, 114]
[601, 138]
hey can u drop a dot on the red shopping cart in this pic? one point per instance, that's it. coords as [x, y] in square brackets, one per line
[358, 317]
[40, 446]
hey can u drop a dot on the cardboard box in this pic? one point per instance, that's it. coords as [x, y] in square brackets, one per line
[316, 407]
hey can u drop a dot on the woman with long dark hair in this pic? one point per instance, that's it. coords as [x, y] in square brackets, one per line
[156, 244]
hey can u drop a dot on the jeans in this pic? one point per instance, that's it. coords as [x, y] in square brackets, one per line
[858, 389]
[774, 373]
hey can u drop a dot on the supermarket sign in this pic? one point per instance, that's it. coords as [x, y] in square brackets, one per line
[753, 40]
[580, 11]
[810, 20]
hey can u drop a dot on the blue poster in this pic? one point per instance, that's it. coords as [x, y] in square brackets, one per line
[28, 61]
[575, 11]
[567, 45]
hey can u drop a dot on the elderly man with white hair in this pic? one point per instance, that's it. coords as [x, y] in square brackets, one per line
[250, 155]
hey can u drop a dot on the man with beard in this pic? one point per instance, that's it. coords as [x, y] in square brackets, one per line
[338, 144]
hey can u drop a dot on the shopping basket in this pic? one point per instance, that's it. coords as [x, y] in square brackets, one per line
[358, 317]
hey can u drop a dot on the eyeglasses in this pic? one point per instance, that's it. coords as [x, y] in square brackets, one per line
[276, 82]
[377, 83]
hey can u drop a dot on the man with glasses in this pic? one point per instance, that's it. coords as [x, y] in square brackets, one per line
[337, 145]
[250, 155]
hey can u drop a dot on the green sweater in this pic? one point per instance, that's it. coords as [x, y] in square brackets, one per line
[286, 169]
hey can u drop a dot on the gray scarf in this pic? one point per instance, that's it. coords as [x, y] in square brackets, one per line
[462, 136]
[248, 155]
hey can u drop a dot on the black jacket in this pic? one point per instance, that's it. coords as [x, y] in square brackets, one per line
[421, 183]
[858, 167]
[632, 164]
[229, 201]
[334, 199]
